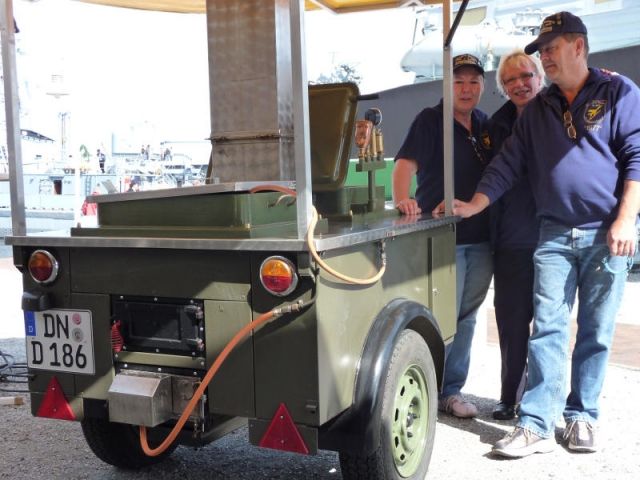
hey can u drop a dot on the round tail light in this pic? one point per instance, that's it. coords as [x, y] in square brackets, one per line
[43, 266]
[278, 276]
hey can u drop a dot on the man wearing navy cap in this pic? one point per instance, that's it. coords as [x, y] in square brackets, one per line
[578, 142]
[422, 154]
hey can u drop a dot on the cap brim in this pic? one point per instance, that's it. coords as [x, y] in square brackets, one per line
[475, 67]
[544, 38]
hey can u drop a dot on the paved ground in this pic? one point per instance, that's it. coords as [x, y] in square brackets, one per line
[38, 448]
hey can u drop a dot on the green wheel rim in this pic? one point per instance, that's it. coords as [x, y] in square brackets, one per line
[410, 422]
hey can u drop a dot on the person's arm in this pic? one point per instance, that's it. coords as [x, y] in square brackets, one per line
[621, 237]
[403, 171]
[478, 203]
[499, 176]
[626, 144]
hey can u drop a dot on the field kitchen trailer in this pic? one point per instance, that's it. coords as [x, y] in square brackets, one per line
[277, 297]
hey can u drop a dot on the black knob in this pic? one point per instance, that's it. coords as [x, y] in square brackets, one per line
[374, 115]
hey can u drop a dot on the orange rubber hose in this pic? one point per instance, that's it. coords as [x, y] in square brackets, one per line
[331, 271]
[271, 188]
[312, 248]
[246, 330]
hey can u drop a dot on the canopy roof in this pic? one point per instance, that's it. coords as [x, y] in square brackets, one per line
[198, 6]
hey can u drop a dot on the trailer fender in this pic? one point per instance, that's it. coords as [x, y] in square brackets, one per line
[357, 430]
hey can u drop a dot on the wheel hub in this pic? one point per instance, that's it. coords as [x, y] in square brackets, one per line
[410, 422]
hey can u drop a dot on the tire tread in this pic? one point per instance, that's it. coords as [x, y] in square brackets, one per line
[376, 466]
[118, 444]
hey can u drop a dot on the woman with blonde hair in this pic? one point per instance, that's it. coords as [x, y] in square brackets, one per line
[514, 235]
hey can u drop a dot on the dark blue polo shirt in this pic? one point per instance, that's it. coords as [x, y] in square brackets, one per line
[513, 217]
[424, 144]
[577, 182]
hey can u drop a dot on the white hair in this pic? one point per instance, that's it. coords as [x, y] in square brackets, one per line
[519, 58]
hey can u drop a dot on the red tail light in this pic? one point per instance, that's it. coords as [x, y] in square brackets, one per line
[43, 266]
[278, 276]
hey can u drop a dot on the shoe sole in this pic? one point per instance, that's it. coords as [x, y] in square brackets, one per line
[540, 447]
[502, 417]
[453, 414]
[473, 415]
[579, 449]
[458, 416]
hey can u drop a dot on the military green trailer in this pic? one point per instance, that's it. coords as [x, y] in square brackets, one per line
[286, 301]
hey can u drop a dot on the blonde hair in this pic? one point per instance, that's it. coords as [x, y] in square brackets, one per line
[517, 58]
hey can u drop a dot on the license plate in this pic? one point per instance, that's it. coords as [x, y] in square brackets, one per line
[60, 340]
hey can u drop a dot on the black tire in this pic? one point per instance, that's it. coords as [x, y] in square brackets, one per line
[118, 444]
[409, 410]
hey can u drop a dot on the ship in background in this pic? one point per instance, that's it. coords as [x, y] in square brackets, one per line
[492, 28]
[489, 29]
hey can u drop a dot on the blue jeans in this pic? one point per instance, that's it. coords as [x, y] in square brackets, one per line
[474, 267]
[566, 260]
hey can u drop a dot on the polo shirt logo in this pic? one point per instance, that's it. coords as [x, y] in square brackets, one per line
[594, 111]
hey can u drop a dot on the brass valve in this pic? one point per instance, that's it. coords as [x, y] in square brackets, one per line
[368, 136]
[364, 129]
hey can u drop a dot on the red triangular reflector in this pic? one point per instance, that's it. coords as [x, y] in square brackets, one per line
[282, 433]
[54, 404]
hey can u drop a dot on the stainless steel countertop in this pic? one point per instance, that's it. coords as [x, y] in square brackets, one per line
[339, 234]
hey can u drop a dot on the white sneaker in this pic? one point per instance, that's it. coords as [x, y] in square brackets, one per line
[580, 436]
[521, 443]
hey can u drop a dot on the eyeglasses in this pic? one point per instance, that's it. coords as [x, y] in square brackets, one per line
[523, 77]
[568, 124]
[476, 148]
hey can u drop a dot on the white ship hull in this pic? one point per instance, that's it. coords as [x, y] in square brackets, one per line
[496, 27]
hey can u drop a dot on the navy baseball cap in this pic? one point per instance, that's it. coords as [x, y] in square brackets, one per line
[467, 59]
[554, 26]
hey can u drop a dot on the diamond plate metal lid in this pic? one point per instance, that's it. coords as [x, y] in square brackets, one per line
[332, 114]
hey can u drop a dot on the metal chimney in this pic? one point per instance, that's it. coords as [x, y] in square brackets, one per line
[251, 90]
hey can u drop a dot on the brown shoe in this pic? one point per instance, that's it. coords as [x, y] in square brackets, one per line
[456, 406]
